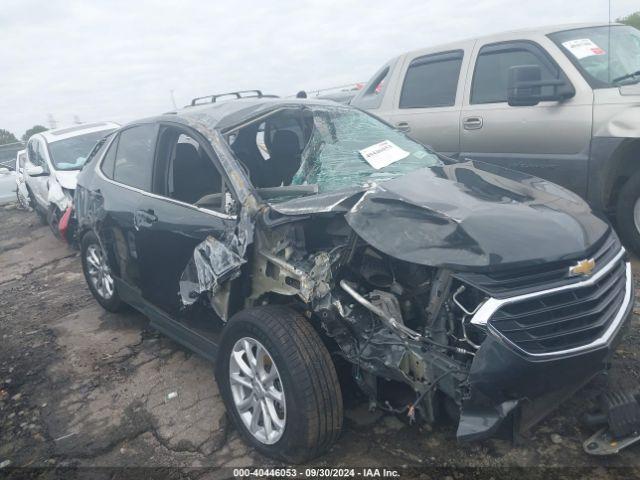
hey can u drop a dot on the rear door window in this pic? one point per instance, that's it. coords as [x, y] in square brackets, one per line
[133, 163]
[432, 81]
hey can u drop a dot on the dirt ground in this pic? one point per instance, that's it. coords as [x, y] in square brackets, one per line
[83, 387]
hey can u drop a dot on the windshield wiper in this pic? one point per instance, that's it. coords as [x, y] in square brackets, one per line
[624, 77]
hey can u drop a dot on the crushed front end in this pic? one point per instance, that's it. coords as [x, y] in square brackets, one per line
[544, 345]
[490, 350]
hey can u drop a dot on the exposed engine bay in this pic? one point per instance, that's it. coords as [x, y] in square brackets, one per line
[392, 320]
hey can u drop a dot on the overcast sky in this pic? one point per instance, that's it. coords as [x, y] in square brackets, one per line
[118, 60]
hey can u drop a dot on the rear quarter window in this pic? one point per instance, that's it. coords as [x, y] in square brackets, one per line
[109, 159]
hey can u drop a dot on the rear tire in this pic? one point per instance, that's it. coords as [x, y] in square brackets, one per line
[310, 415]
[628, 213]
[95, 267]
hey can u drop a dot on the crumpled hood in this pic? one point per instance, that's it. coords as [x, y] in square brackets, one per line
[67, 179]
[468, 216]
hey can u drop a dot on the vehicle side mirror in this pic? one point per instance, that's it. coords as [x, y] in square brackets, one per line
[35, 171]
[525, 84]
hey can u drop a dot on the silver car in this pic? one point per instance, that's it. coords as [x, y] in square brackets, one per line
[562, 103]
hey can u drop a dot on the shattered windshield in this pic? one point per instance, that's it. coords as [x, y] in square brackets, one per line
[349, 148]
[608, 56]
[71, 153]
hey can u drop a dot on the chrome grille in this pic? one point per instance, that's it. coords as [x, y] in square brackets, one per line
[566, 318]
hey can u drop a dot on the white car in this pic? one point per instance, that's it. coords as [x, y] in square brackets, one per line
[54, 159]
[7, 185]
[22, 193]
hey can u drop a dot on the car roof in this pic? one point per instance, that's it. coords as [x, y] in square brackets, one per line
[513, 34]
[229, 113]
[68, 132]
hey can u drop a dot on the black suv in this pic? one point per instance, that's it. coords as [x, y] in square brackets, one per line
[290, 239]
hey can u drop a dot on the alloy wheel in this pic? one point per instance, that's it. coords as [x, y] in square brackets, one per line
[257, 390]
[99, 272]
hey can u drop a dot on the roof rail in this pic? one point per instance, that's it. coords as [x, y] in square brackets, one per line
[239, 94]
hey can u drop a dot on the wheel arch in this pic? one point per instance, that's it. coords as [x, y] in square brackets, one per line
[622, 164]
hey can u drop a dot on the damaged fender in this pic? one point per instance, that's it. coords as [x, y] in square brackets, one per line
[216, 262]
[57, 196]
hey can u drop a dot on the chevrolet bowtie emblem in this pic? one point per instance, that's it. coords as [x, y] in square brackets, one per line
[583, 267]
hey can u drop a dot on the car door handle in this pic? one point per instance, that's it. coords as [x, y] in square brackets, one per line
[472, 123]
[144, 219]
[403, 126]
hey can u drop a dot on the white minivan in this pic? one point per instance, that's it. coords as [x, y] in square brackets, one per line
[54, 158]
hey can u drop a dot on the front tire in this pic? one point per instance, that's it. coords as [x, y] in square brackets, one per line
[23, 201]
[34, 205]
[98, 274]
[628, 213]
[279, 384]
[53, 219]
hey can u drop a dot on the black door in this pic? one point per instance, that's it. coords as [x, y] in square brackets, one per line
[184, 210]
[123, 179]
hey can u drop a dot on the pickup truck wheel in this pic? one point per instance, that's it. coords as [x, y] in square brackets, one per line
[98, 274]
[628, 213]
[279, 384]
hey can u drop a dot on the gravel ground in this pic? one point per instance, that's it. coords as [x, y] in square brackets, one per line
[83, 387]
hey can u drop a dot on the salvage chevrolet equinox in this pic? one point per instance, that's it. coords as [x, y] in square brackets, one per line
[283, 238]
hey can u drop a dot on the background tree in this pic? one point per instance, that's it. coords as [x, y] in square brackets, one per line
[632, 19]
[7, 137]
[32, 131]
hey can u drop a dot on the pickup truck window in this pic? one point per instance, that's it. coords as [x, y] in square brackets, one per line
[606, 56]
[491, 73]
[371, 95]
[432, 81]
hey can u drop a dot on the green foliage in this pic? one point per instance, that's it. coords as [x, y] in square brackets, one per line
[32, 131]
[7, 137]
[632, 19]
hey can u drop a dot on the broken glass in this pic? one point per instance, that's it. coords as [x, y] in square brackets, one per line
[333, 158]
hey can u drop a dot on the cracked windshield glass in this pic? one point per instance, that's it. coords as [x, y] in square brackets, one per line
[349, 148]
[608, 56]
